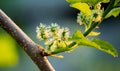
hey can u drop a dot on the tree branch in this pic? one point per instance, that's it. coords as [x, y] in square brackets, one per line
[32, 49]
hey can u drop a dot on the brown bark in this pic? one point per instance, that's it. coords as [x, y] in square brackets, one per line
[32, 49]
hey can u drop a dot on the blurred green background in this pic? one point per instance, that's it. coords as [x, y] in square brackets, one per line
[27, 14]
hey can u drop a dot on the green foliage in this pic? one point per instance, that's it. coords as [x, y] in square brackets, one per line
[8, 53]
[115, 9]
[83, 7]
[96, 43]
[92, 2]
[106, 47]
[114, 12]
[81, 40]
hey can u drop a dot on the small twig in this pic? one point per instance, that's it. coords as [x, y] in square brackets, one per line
[109, 8]
[31, 48]
[91, 28]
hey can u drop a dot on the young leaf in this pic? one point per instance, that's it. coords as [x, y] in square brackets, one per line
[96, 43]
[114, 12]
[94, 33]
[77, 34]
[83, 41]
[83, 7]
[106, 47]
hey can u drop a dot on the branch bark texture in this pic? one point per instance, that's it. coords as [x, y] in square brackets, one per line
[35, 51]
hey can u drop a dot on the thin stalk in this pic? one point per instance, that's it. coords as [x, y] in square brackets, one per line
[109, 8]
[90, 23]
[91, 28]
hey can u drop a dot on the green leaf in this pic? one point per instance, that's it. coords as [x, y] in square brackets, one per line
[114, 12]
[96, 43]
[83, 7]
[117, 2]
[83, 41]
[94, 33]
[92, 2]
[106, 47]
[77, 34]
[8, 53]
